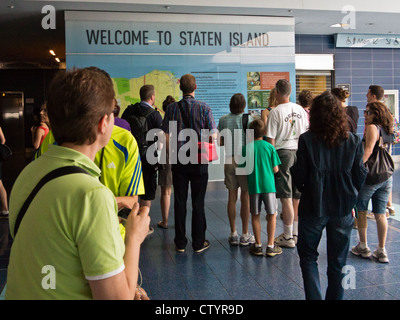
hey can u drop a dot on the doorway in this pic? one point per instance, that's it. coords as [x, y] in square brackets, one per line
[12, 124]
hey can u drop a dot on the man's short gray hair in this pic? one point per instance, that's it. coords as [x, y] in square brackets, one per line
[283, 87]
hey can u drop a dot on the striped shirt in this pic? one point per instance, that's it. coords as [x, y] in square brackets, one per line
[198, 113]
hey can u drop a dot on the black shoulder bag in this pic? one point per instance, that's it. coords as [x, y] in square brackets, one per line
[380, 164]
[48, 177]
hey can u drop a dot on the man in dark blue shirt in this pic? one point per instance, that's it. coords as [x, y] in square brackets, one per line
[198, 116]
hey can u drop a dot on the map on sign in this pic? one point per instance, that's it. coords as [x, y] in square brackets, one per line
[164, 82]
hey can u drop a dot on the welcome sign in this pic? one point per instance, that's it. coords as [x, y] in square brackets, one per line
[224, 53]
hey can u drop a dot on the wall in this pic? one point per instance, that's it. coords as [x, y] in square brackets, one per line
[359, 67]
[226, 54]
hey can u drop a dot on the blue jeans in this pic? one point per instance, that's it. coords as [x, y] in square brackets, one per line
[338, 232]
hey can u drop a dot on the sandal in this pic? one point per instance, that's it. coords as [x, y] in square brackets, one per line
[161, 225]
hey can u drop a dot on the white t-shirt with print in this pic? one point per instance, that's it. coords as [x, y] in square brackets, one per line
[285, 124]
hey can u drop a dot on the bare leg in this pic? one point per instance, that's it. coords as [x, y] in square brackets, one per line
[165, 202]
[255, 220]
[296, 209]
[271, 226]
[232, 198]
[3, 198]
[362, 223]
[288, 216]
[382, 228]
[245, 210]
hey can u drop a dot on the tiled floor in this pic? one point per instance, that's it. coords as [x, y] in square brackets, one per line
[231, 273]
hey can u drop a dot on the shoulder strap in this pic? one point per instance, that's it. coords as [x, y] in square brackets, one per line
[245, 121]
[148, 112]
[50, 176]
[137, 111]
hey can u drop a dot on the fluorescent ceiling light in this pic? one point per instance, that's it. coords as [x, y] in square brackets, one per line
[58, 60]
[52, 52]
[314, 62]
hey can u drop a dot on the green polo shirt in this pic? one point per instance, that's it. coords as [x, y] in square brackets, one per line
[69, 234]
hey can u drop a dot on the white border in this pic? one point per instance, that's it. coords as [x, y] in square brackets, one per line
[107, 275]
[395, 93]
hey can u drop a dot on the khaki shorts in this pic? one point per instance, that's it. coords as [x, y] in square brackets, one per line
[233, 181]
[284, 184]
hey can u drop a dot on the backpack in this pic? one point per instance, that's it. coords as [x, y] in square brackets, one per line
[396, 131]
[138, 122]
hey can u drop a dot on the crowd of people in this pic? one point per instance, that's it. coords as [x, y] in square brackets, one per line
[307, 155]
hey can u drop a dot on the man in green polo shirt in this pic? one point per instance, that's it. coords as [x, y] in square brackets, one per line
[68, 245]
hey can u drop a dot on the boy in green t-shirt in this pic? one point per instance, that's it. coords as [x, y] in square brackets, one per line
[261, 186]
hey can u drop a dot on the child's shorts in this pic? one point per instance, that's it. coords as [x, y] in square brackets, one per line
[232, 180]
[269, 200]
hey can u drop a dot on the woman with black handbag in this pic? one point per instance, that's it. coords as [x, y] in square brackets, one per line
[378, 138]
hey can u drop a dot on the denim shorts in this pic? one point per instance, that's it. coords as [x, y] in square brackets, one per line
[378, 193]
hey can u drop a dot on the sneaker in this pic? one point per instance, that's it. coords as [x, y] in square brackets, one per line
[381, 255]
[281, 241]
[151, 230]
[206, 245]
[246, 239]
[233, 239]
[365, 253]
[180, 250]
[257, 251]
[272, 252]
[391, 211]
[295, 238]
[162, 225]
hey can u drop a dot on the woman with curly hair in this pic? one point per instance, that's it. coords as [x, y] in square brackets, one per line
[305, 100]
[329, 172]
[379, 124]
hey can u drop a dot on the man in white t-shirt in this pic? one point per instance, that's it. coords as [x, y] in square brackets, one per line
[285, 124]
